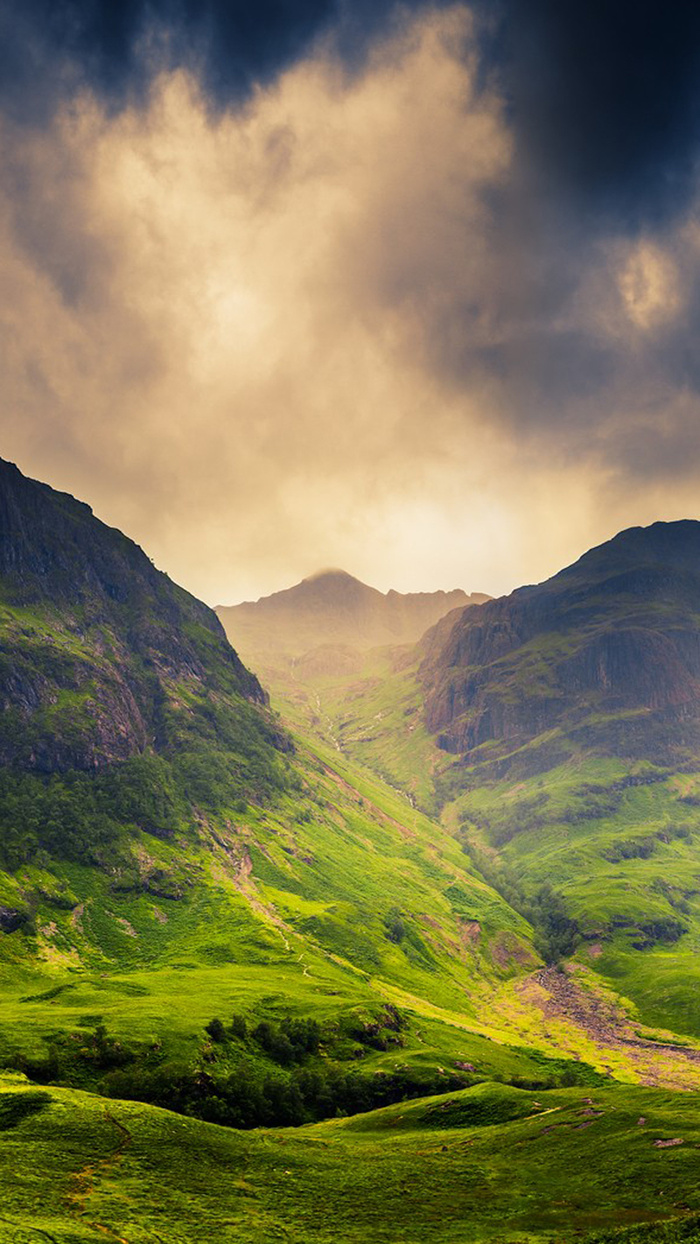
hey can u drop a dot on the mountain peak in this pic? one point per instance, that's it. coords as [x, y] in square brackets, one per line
[330, 572]
[606, 649]
[672, 545]
[333, 607]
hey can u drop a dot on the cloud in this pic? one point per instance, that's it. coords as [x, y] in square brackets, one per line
[215, 322]
[324, 326]
[49, 52]
[606, 99]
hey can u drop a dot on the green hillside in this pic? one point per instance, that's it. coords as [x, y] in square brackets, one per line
[182, 862]
[555, 732]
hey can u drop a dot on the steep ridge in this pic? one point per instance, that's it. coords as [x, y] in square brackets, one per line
[573, 712]
[99, 649]
[608, 649]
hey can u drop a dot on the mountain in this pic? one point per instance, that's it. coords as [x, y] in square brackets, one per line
[331, 644]
[170, 858]
[556, 731]
[106, 666]
[605, 656]
[571, 713]
[103, 657]
[212, 917]
[333, 608]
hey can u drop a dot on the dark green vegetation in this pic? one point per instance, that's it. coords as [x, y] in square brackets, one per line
[575, 707]
[123, 705]
[202, 911]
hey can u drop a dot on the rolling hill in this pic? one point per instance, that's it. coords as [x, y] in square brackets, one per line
[489, 1165]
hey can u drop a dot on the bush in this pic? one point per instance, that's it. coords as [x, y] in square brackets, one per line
[216, 1030]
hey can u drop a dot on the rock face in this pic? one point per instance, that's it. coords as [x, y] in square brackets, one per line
[101, 655]
[11, 920]
[608, 649]
[333, 608]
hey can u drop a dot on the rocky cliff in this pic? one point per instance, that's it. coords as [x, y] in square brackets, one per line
[609, 648]
[102, 657]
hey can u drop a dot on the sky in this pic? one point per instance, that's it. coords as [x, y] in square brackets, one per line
[407, 289]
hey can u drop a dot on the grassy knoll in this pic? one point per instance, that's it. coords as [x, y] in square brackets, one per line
[488, 1164]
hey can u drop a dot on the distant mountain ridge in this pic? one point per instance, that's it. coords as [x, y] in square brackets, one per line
[333, 607]
[608, 648]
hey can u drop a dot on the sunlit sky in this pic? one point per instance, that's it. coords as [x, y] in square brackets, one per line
[408, 290]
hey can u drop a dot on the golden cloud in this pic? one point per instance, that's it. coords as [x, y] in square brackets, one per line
[225, 330]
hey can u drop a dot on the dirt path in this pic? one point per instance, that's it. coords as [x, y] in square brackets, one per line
[562, 997]
[85, 1180]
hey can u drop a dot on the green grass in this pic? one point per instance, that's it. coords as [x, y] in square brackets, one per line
[625, 857]
[338, 897]
[373, 713]
[488, 1164]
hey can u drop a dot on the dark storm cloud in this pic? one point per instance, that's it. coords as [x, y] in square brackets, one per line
[45, 196]
[603, 95]
[49, 49]
[605, 98]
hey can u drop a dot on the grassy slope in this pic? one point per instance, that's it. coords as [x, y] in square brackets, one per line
[287, 910]
[575, 825]
[488, 1164]
[626, 861]
[371, 708]
[329, 897]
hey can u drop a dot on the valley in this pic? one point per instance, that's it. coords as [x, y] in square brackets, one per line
[588, 687]
[306, 937]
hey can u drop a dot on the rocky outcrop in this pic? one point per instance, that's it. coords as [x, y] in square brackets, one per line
[11, 920]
